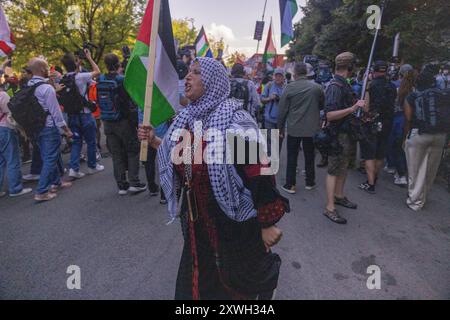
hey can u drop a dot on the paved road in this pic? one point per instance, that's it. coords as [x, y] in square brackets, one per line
[125, 250]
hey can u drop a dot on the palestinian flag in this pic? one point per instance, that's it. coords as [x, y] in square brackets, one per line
[288, 10]
[165, 100]
[202, 45]
[7, 45]
[270, 53]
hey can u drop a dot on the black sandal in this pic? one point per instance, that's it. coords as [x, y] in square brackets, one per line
[334, 216]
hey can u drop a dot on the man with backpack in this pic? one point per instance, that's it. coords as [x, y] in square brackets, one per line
[119, 116]
[74, 99]
[382, 95]
[339, 108]
[427, 113]
[36, 109]
[244, 90]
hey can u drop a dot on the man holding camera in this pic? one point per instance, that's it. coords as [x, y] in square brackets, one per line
[81, 121]
[271, 99]
[339, 108]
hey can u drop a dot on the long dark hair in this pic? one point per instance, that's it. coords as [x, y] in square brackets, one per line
[407, 86]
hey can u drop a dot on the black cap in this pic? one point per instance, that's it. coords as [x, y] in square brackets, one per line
[182, 70]
[380, 66]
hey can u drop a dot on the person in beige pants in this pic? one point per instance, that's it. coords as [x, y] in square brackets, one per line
[423, 155]
[423, 151]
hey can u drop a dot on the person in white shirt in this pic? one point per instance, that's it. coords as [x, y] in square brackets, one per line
[83, 124]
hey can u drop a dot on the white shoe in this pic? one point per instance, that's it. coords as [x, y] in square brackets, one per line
[2, 194]
[31, 177]
[98, 168]
[401, 181]
[76, 174]
[123, 193]
[389, 170]
[21, 193]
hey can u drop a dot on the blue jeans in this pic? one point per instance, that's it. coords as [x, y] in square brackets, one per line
[395, 154]
[49, 141]
[10, 160]
[83, 126]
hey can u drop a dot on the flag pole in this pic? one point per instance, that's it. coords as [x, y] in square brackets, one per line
[150, 74]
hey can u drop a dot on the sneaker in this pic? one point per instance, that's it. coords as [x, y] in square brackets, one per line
[311, 187]
[45, 197]
[334, 216]
[98, 168]
[401, 181]
[344, 202]
[289, 189]
[31, 177]
[123, 192]
[2, 194]
[83, 158]
[21, 193]
[163, 202]
[367, 187]
[141, 187]
[76, 174]
[98, 156]
[153, 190]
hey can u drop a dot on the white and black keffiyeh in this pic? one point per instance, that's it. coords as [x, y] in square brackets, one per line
[214, 110]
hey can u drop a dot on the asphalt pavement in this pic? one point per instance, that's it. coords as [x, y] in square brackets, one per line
[125, 250]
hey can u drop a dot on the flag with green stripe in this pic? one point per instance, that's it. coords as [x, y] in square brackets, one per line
[165, 100]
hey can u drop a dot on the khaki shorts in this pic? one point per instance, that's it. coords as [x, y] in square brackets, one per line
[338, 165]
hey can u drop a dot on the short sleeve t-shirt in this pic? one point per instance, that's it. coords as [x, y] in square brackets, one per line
[82, 81]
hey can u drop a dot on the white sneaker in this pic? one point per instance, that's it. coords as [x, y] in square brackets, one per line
[401, 181]
[2, 194]
[123, 193]
[21, 193]
[76, 174]
[98, 168]
[31, 177]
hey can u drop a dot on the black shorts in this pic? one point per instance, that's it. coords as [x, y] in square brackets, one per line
[375, 147]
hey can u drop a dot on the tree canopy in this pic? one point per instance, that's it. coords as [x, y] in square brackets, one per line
[333, 26]
[44, 27]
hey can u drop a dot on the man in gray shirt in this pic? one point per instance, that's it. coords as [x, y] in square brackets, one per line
[300, 107]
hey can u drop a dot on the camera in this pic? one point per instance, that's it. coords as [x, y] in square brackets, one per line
[86, 45]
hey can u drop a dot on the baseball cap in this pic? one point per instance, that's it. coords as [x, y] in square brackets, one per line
[404, 69]
[380, 66]
[345, 59]
[279, 71]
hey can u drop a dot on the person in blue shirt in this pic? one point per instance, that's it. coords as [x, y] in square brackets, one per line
[271, 98]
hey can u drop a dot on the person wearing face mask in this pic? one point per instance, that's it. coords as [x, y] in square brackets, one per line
[228, 212]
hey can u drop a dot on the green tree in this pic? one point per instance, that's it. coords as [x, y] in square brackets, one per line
[235, 57]
[424, 28]
[184, 31]
[42, 27]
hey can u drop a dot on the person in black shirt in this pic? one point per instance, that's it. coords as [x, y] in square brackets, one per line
[121, 135]
[382, 96]
[339, 108]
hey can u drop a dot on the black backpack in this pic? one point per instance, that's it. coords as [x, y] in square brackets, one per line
[71, 99]
[240, 92]
[27, 111]
[432, 111]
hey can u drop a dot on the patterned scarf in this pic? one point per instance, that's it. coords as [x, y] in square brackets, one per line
[214, 110]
